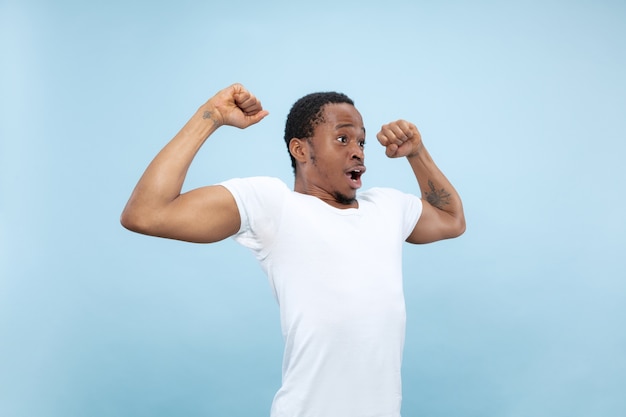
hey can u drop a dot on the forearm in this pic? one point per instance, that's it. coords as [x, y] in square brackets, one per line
[163, 179]
[436, 189]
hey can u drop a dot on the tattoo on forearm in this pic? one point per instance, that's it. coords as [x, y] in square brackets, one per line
[437, 198]
[207, 115]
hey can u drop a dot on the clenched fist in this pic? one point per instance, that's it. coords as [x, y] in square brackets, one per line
[234, 106]
[400, 138]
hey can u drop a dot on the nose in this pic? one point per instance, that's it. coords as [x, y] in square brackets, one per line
[357, 152]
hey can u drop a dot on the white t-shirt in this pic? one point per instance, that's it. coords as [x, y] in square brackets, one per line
[337, 277]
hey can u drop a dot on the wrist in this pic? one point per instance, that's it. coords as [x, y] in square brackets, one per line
[417, 150]
[203, 123]
[209, 114]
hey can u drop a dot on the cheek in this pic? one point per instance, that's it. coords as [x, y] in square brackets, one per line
[312, 156]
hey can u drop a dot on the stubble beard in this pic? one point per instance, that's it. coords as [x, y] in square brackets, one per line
[339, 197]
[343, 199]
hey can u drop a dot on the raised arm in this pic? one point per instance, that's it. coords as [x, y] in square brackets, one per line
[208, 214]
[442, 215]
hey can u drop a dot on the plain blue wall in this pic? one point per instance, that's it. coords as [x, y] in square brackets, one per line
[522, 104]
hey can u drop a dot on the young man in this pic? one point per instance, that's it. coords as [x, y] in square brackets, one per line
[333, 258]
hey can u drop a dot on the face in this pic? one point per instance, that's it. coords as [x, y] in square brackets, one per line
[334, 160]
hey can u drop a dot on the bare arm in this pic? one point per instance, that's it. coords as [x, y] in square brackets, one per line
[442, 215]
[209, 214]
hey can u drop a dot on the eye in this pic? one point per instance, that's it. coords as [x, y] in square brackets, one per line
[342, 139]
[362, 143]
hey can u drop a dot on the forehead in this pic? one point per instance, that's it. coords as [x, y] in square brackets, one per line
[338, 115]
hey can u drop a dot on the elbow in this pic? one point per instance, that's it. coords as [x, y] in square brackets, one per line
[461, 227]
[457, 221]
[133, 220]
[128, 220]
[454, 226]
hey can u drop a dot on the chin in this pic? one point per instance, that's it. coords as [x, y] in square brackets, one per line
[344, 199]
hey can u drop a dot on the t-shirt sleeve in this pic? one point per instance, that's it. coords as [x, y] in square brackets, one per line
[260, 201]
[408, 207]
[412, 212]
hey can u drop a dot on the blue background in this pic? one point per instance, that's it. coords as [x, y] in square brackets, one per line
[522, 104]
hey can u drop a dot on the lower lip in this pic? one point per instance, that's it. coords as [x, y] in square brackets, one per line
[354, 183]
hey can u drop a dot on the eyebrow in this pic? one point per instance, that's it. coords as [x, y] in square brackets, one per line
[342, 125]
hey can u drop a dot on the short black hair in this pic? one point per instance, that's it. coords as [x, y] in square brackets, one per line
[307, 113]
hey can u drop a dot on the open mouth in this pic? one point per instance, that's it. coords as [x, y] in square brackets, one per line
[354, 175]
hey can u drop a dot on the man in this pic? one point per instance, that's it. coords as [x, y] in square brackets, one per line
[333, 258]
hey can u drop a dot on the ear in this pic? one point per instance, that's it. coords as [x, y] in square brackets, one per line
[298, 149]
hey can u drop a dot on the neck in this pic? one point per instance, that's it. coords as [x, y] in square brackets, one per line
[333, 199]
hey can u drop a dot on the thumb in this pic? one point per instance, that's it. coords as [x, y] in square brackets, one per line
[391, 150]
[256, 117]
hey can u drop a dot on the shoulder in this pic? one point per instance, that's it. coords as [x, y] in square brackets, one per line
[260, 203]
[260, 181]
[383, 194]
[257, 193]
[255, 185]
[391, 199]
